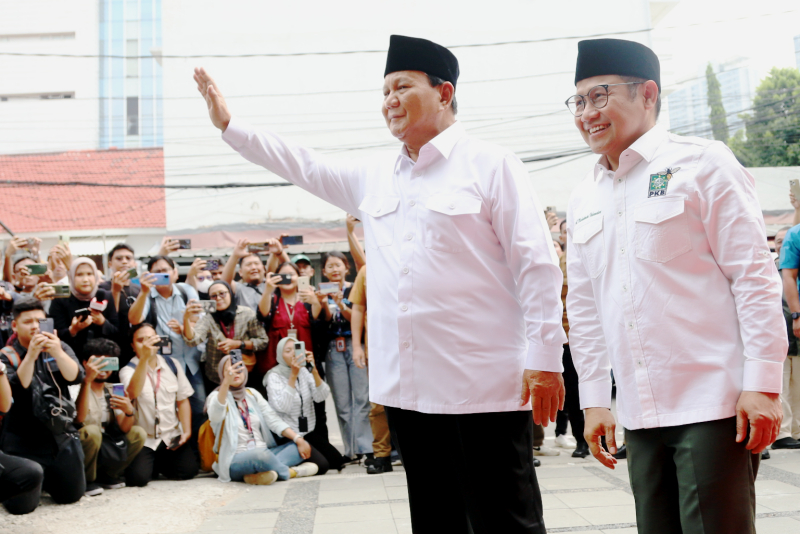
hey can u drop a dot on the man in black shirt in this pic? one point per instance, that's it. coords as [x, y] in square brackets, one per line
[38, 360]
[120, 260]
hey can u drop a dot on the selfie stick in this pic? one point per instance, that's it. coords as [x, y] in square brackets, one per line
[7, 229]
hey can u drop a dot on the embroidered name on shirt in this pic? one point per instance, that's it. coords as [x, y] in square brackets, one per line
[660, 181]
[590, 215]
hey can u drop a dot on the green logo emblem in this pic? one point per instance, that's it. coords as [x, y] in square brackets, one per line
[660, 181]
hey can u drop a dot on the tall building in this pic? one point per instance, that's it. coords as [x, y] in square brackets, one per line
[688, 106]
[130, 78]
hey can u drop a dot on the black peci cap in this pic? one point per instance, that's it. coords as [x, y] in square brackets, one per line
[411, 53]
[597, 57]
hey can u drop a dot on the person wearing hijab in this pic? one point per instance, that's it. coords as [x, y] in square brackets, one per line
[230, 327]
[95, 318]
[247, 451]
[293, 386]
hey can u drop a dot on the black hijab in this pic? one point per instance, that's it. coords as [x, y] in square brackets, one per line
[228, 315]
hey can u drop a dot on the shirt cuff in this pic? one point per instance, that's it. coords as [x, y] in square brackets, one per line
[235, 134]
[595, 394]
[544, 358]
[763, 376]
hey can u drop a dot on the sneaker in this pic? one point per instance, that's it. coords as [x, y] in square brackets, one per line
[565, 442]
[93, 489]
[581, 451]
[786, 443]
[545, 451]
[306, 469]
[112, 483]
[380, 465]
[261, 479]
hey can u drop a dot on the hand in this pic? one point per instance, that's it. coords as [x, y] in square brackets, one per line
[168, 245]
[227, 378]
[217, 108]
[37, 345]
[795, 202]
[275, 246]
[122, 403]
[118, 281]
[193, 307]
[351, 223]
[272, 282]
[548, 394]
[78, 325]
[44, 291]
[15, 244]
[240, 250]
[322, 298]
[310, 358]
[60, 257]
[359, 357]
[150, 347]
[552, 219]
[599, 423]
[764, 413]
[197, 265]
[49, 277]
[34, 247]
[97, 318]
[307, 296]
[304, 449]
[92, 366]
[227, 345]
[337, 298]
[184, 438]
[4, 295]
[147, 280]
[53, 344]
[175, 326]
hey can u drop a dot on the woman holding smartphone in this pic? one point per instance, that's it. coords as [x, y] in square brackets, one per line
[349, 383]
[86, 314]
[293, 386]
[286, 312]
[230, 327]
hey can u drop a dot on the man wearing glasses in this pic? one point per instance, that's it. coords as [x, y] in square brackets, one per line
[673, 286]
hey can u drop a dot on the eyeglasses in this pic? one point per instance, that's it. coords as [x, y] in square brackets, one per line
[219, 295]
[598, 96]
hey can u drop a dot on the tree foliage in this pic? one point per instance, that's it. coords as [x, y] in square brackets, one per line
[717, 118]
[772, 130]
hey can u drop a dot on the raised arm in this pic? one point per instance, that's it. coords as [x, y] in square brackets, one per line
[229, 271]
[359, 257]
[138, 311]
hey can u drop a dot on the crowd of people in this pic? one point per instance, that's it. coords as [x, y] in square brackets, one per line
[113, 380]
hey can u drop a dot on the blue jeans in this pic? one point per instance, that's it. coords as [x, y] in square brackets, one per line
[350, 388]
[277, 459]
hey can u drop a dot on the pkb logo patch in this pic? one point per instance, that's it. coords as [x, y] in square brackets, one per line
[660, 181]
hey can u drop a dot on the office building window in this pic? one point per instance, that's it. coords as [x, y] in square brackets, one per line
[133, 115]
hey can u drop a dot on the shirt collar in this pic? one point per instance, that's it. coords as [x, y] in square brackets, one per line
[645, 148]
[443, 143]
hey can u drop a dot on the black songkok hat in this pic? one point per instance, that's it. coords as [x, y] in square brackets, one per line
[410, 53]
[597, 57]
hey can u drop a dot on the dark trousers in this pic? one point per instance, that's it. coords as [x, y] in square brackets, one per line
[692, 479]
[320, 443]
[63, 477]
[490, 485]
[572, 401]
[180, 464]
[20, 483]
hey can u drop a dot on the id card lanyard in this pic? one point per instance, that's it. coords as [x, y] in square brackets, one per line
[156, 386]
[292, 330]
[245, 413]
[227, 334]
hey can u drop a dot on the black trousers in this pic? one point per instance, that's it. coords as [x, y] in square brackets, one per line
[490, 485]
[180, 464]
[20, 483]
[321, 444]
[572, 401]
[63, 477]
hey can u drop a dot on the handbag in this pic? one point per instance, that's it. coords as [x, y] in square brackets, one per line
[114, 447]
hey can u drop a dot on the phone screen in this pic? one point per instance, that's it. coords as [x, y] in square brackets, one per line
[118, 390]
[46, 325]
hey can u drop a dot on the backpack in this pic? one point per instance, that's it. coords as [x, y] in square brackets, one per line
[151, 318]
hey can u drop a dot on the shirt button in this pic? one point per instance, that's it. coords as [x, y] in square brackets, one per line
[417, 173]
[404, 307]
[405, 270]
[630, 325]
[619, 213]
[406, 344]
[624, 288]
[619, 179]
[411, 203]
[409, 237]
[622, 250]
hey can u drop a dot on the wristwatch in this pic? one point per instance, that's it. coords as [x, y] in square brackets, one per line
[795, 316]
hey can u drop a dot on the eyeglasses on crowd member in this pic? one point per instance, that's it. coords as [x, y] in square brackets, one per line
[86, 314]
[121, 260]
[229, 327]
[104, 412]
[160, 390]
[40, 428]
[250, 453]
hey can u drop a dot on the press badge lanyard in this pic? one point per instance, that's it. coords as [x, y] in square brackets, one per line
[156, 386]
[245, 413]
[292, 330]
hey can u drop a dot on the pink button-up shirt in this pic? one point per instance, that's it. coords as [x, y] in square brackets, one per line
[464, 285]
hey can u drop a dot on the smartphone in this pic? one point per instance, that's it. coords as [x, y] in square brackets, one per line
[212, 265]
[209, 306]
[184, 244]
[63, 240]
[258, 247]
[303, 283]
[165, 346]
[37, 268]
[300, 353]
[175, 442]
[132, 273]
[794, 187]
[163, 342]
[62, 291]
[551, 209]
[236, 356]
[326, 288]
[162, 279]
[287, 240]
[118, 390]
[286, 279]
[111, 364]
[47, 325]
[83, 313]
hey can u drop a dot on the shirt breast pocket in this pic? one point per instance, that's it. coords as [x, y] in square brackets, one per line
[588, 239]
[379, 226]
[450, 222]
[662, 229]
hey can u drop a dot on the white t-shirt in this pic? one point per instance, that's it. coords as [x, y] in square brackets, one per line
[244, 435]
